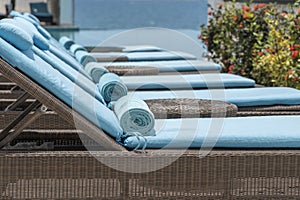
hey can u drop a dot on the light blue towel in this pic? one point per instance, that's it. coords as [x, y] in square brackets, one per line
[95, 71]
[66, 42]
[70, 73]
[76, 47]
[141, 48]
[189, 81]
[242, 132]
[111, 87]
[84, 57]
[44, 32]
[265, 96]
[134, 115]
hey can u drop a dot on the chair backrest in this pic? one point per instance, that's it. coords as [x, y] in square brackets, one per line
[39, 7]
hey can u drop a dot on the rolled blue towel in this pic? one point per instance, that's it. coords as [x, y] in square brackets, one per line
[84, 57]
[66, 42]
[134, 116]
[76, 47]
[111, 87]
[95, 71]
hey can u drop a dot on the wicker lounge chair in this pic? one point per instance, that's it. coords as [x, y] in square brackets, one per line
[222, 174]
[139, 56]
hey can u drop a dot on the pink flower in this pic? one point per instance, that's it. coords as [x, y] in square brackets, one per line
[246, 8]
[295, 54]
[230, 69]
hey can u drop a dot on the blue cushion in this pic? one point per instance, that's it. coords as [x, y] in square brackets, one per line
[147, 56]
[67, 58]
[213, 80]
[66, 42]
[144, 56]
[38, 39]
[55, 82]
[70, 73]
[168, 66]
[242, 132]
[15, 36]
[44, 32]
[242, 97]
[141, 48]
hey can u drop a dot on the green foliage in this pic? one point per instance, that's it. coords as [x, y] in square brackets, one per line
[257, 41]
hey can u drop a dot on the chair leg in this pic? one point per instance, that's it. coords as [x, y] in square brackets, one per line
[21, 122]
[18, 102]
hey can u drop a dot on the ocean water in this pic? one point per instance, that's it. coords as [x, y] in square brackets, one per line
[128, 14]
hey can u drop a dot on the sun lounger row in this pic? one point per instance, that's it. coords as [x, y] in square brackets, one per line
[237, 173]
[79, 95]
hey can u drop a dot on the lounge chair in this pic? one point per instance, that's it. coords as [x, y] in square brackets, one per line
[221, 174]
[134, 53]
[137, 56]
[40, 10]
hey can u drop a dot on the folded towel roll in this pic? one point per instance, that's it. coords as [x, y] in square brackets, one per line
[66, 42]
[84, 57]
[95, 71]
[134, 115]
[76, 47]
[111, 87]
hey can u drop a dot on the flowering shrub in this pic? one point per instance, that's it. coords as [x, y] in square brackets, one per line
[257, 41]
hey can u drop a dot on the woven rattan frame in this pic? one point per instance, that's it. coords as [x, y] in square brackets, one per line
[222, 174]
[190, 108]
[132, 70]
